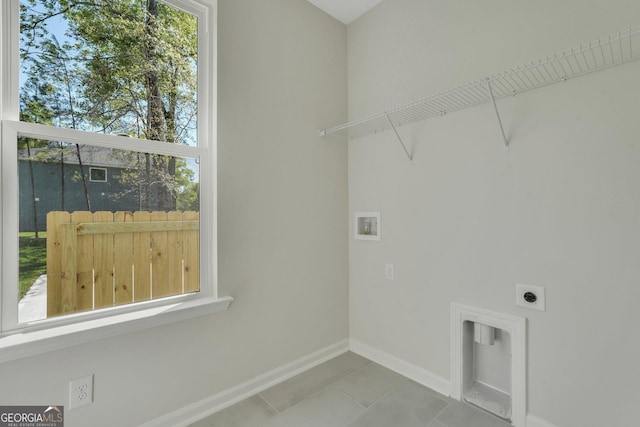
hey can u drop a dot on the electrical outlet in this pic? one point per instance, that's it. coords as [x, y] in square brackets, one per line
[390, 271]
[81, 392]
[530, 297]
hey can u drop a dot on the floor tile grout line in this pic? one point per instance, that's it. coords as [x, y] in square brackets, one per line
[342, 376]
[348, 374]
[354, 372]
[400, 384]
[334, 384]
[362, 411]
[364, 408]
[485, 411]
[403, 382]
[361, 408]
[435, 418]
[268, 403]
[328, 386]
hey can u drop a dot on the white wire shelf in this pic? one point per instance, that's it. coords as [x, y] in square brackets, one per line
[606, 52]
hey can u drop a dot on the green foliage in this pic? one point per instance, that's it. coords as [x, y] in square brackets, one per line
[113, 53]
[33, 261]
[188, 191]
[115, 66]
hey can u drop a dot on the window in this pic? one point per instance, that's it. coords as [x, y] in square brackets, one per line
[98, 174]
[115, 88]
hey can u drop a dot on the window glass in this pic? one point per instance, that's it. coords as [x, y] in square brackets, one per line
[84, 247]
[116, 67]
[103, 220]
[97, 174]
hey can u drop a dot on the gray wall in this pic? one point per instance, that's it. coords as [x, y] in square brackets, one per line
[466, 222]
[282, 207]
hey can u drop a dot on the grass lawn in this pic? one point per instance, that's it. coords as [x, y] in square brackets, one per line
[33, 260]
[31, 234]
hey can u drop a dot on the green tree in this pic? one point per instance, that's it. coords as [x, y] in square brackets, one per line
[188, 194]
[125, 67]
[49, 86]
[33, 109]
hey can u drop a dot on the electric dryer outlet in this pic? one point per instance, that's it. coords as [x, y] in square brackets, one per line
[531, 297]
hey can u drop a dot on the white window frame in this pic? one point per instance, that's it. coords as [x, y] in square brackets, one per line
[23, 339]
[106, 173]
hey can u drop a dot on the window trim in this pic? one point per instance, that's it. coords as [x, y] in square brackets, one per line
[18, 340]
[36, 340]
[105, 170]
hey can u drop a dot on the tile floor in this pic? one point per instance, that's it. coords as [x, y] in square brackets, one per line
[350, 391]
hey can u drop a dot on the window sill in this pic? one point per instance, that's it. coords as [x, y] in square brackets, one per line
[25, 344]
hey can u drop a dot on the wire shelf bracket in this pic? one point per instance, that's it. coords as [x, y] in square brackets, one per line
[495, 107]
[399, 139]
[606, 52]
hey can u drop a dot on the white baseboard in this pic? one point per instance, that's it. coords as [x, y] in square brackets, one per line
[409, 370]
[421, 375]
[533, 421]
[214, 403]
[191, 413]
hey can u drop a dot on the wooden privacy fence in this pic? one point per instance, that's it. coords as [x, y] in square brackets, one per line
[104, 259]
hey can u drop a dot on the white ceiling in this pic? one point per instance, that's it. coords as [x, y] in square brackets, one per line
[346, 11]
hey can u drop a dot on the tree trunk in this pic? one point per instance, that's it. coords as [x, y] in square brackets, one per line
[62, 207]
[33, 191]
[73, 124]
[155, 110]
[84, 178]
